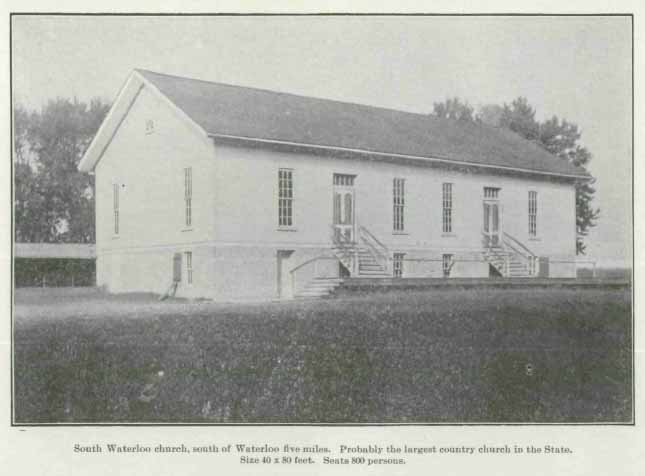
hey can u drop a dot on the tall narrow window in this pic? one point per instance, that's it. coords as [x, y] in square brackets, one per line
[188, 195]
[447, 262]
[115, 198]
[447, 207]
[533, 214]
[189, 267]
[285, 197]
[397, 265]
[399, 204]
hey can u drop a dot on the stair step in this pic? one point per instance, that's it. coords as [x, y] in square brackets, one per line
[321, 287]
[323, 283]
[312, 292]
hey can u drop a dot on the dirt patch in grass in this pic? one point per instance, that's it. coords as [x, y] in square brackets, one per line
[440, 356]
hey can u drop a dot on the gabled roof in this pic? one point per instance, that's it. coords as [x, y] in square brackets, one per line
[234, 112]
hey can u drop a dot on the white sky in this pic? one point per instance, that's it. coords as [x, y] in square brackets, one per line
[578, 68]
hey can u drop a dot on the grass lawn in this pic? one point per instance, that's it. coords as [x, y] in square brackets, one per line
[525, 355]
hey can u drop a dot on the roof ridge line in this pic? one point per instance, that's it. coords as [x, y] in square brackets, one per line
[315, 98]
[487, 127]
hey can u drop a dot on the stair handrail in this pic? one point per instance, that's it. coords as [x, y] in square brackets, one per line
[500, 246]
[340, 239]
[498, 252]
[378, 255]
[383, 252]
[346, 249]
[532, 262]
[311, 260]
[292, 271]
[379, 251]
[527, 252]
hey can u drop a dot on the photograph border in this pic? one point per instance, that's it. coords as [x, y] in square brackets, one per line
[13, 423]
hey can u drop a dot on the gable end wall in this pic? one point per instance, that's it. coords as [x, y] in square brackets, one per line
[149, 169]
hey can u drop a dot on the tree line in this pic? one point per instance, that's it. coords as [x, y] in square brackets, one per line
[54, 202]
[557, 136]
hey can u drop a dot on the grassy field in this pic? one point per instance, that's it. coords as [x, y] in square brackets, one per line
[442, 356]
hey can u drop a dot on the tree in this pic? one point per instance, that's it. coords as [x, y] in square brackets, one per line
[560, 138]
[454, 109]
[490, 114]
[54, 202]
[520, 118]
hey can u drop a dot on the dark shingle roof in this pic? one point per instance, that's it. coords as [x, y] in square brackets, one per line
[222, 109]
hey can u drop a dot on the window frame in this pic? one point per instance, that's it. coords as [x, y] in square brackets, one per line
[116, 210]
[188, 258]
[491, 193]
[532, 213]
[398, 205]
[344, 180]
[447, 262]
[447, 208]
[286, 199]
[188, 197]
[397, 264]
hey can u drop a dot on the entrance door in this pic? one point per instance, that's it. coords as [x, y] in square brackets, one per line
[344, 207]
[284, 275]
[176, 268]
[492, 224]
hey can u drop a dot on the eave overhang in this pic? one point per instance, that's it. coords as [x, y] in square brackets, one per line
[343, 152]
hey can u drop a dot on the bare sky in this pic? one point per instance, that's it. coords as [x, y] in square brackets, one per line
[578, 68]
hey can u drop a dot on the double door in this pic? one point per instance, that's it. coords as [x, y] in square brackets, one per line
[492, 223]
[344, 208]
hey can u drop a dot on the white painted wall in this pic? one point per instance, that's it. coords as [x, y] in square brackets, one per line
[149, 167]
[235, 236]
[247, 203]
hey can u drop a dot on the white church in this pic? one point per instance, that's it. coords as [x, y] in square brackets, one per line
[232, 193]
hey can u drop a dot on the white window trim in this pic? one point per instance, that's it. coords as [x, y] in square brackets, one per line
[188, 259]
[398, 206]
[533, 217]
[289, 201]
[450, 264]
[116, 210]
[188, 199]
[398, 257]
[447, 204]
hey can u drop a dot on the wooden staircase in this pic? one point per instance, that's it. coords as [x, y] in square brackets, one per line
[366, 257]
[512, 259]
[369, 265]
[318, 288]
[508, 264]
